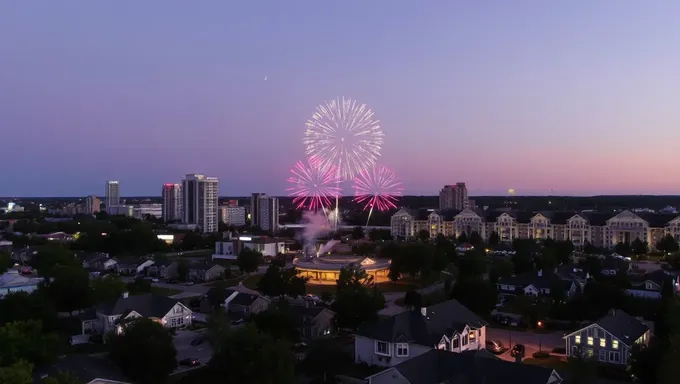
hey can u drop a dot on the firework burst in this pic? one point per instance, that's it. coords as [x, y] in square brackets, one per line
[377, 188]
[313, 187]
[343, 134]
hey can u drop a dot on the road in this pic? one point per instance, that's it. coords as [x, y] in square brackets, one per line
[532, 341]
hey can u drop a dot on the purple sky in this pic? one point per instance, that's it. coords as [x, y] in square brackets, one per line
[574, 97]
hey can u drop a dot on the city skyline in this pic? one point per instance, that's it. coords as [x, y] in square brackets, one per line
[546, 98]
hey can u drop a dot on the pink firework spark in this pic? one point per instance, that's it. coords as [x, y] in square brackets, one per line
[313, 186]
[377, 188]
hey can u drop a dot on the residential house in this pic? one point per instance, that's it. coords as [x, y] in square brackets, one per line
[315, 321]
[164, 270]
[650, 285]
[448, 326]
[575, 273]
[615, 264]
[205, 272]
[108, 316]
[609, 339]
[438, 366]
[245, 304]
[13, 281]
[535, 285]
[134, 267]
[87, 369]
[98, 261]
[24, 255]
[600, 229]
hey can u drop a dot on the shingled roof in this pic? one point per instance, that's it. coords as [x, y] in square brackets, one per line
[438, 366]
[441, 319]
[147, 305]
[623, 326]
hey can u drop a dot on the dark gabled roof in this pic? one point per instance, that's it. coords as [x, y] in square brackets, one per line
[441, 319]
[147, 305]
[308, 312]
[244, 299]
[656, 220]
[491, 216]
[438, 366]
[85, 367]
[571, 271]
[548, 280]
[623, 326]
[524, 217]
[203, 266]
[448, 214]
[659, 277]
[561, 217]
[596, 218]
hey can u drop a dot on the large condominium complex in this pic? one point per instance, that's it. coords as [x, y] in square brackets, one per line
[264, 212]
[172, 202]
[111, 195]
[599, 229]
[453, 197]
[233, 215]
[199, 197]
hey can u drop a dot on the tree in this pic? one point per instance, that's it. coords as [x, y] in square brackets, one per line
[5, 262]
[217, 325]
[182, 269]
[413, 299]
[355, 302]
[108, 288]
[25, 340]
[668, 244]
[280, 322]
[424, 235]
[63, 378]
[581, 369]
[494, 239]
[462, 239]
[144, 352]
[644, 361]
[47, 259]
[325, 359]
[248, 356]
[500, 268]
[22, 306]
[639, 247]
[217, 294]
[248, 260]
[476, 294]
[473, 263]
[357, 233]
[69, 288]
[280, 281]
[475, 239]
[139, 285]
[20, 372]
[352, 278]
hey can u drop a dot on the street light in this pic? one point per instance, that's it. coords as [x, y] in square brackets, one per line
[540, 325]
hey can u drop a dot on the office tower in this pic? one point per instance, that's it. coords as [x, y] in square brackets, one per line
[111, 195]
[92, 205]
[172, 202]
[199, 201]
[233, 215]
[266, 212]
[254, 204]
[453, 197]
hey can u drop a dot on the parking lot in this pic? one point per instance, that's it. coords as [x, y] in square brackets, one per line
[185, 350]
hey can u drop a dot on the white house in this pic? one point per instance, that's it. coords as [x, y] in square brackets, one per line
[225, 250]
[447, 326]
[13, 281]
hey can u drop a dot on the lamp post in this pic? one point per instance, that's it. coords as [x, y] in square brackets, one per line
[540, 339]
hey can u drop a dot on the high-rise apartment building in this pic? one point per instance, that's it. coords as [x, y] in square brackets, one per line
[111, 195]
[92, 205]
[453, 197]
[172, 202]
[233, 215]
[254, 208]
[199, 201]
[265, 212]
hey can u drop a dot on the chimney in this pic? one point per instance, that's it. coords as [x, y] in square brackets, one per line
[125, 294]
[540, 272]
[423, 311]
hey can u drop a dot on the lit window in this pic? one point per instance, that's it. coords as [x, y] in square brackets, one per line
[577, 339]
[615, 344]
[402, 350]
[382, 348]
[590, 340]
[603, 342]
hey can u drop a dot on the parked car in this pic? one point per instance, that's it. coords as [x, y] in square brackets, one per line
[190, 362]
[494, 346]
[189, 283]
[518, 350]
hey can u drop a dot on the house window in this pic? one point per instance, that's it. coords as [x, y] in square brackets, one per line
[590, 340]
[615, 344]
[173, 322]
[603, 342]
[614, 357]
[589, 353]
[382, 348]
[180, 321]
[402, 349]
[577, 339]
[465, 339]
[472, 336]
[602, 355]
[456, 342]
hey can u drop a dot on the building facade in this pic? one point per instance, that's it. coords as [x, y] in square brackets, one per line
[111, 195]
[453, 197]
[172, 202]
[266, 212]
[92, 205]
[599, 229]
[199, 198]
[233, 215]
[255, 207]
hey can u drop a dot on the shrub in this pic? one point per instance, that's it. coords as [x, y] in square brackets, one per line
[560, 350]
[541, 355]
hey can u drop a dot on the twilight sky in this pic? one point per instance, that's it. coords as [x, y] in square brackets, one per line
[573, 97]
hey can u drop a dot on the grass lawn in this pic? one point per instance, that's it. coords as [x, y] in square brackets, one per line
[87, 348]
[250, 282]
[554, 362]
[164, 291]
[228, 282]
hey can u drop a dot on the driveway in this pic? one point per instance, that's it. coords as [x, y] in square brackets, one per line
[185, 350]
[532, 341]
